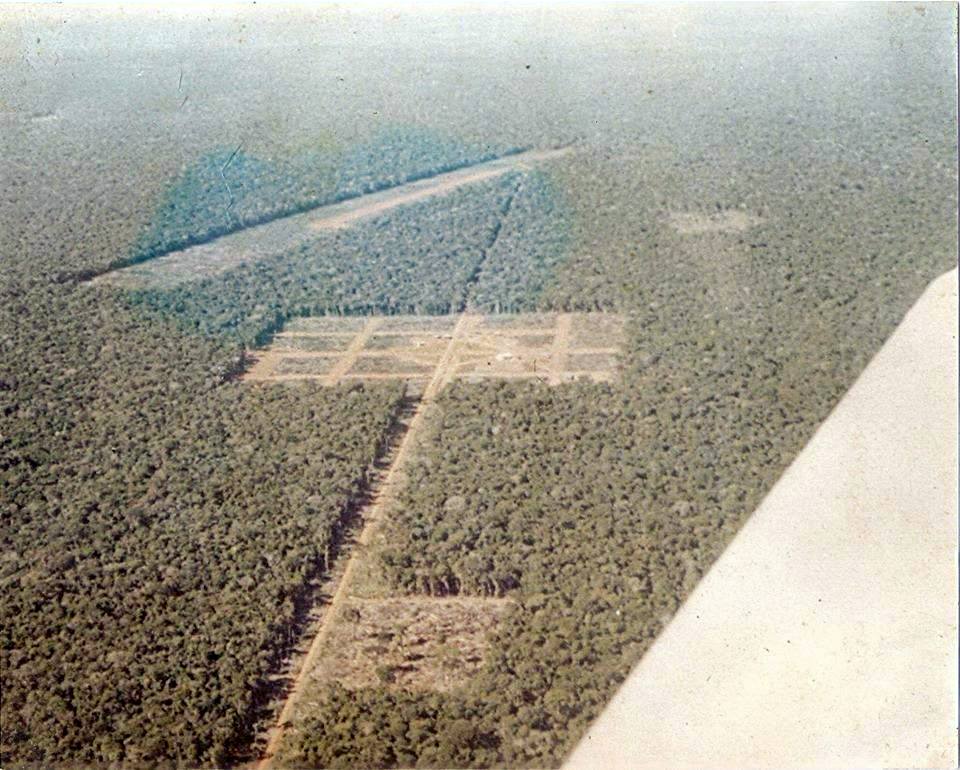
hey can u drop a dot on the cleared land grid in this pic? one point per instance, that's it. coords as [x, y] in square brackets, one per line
[549, 347]
[361, 634]
[189, 558]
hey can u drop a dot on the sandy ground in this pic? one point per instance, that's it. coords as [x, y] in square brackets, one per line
[551, 348]
[826, 633]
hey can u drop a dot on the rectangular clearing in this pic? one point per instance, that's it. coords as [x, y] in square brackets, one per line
[549, 347]
[409, 642]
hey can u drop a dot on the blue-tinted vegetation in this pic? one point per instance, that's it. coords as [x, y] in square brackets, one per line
[492, 246]
[531, 244]
[229, 189]
[416, 259]
[221, 192]
[404, 154]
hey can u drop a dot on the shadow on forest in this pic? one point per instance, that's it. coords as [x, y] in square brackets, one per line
[272, 689]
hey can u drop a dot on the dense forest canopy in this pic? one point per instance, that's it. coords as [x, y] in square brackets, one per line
[489, 246]
[228, 190]
[161, 519]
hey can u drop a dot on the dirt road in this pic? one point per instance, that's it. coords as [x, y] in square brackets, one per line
[286, 233]
[383, 494]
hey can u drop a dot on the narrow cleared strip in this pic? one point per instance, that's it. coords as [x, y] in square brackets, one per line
[282, 235]
[350, 355]
[561, 344]
[383, 494]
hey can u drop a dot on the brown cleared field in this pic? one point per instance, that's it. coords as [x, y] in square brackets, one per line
[407, 341]
[518, 321]
[326, 343]
[408, 643]
[550, 347]
[324, 324]
[388, 364]
[407, 324]
[308, 365]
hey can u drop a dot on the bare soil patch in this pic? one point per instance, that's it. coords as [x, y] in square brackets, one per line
[534, 340]
[326, 324]
[409, 323]
[304, 365]
[536, 321]
[504, 361]
[388, 365]
[311, 343]
[422, 346]
[409, 643]
[550, 347]
[724, 221]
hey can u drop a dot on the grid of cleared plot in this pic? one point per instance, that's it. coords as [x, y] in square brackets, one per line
[550, 347]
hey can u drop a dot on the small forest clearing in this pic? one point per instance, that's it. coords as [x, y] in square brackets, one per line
[720, 221]
[552, 348]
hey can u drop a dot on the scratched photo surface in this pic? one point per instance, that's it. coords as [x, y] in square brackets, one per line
[377, 384]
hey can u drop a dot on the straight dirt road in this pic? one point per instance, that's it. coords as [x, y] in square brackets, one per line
[384, 493]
